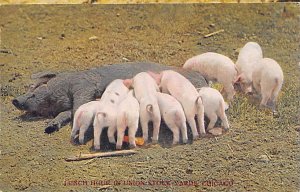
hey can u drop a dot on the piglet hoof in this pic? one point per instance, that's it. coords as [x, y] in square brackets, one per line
[154, 142]
[185, 141]
[226, 106]
[196, 137]
[132, 146]
[226, 130]
[275, 114]
[263, 107]
[118, 147]
[51, 128]
[96, 149]
[73, 142]
[203, 135]
[146, 142]
[175, 143]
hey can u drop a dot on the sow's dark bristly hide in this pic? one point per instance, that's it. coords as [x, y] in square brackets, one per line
[59, 95]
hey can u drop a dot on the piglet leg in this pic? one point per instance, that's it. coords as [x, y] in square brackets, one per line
[212, 120]
[121, 126]
[131, 133]
[120, 138]
[111, 134]
[156, 126]
[192, 123]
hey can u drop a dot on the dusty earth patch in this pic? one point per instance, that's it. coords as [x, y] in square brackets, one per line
[259, 153]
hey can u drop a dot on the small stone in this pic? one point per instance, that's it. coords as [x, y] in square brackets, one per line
[62, 36]
[264, 158]
[189, 170]
[118, 15]
[41, 38]
[93, 38]
[297, 128]
[125, 59]
[217, 131]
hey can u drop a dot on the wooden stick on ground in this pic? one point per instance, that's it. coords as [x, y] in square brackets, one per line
[214, 33]
[102, 154]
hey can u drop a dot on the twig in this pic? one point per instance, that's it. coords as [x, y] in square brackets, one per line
[103, 187]
[105, 154]
[230, 148]
[213, 33]
[267, 155]
[88, 162]
[6, 51]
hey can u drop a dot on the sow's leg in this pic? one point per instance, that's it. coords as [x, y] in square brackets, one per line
[65, 117]
[60, 120]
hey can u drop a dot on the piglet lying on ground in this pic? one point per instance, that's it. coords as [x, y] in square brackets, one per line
[84, 116]
[248, 60]
[127, 116]
[267, 81]
[215, 67]
[214, 106]
[183, 90]
[145, 90]
[173, 115]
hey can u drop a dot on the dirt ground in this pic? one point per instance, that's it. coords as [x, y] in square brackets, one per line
[259, 153]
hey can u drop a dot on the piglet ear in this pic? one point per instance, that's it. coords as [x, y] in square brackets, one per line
[238, 79]
[155, 76]
[128, 82]
[43, 75]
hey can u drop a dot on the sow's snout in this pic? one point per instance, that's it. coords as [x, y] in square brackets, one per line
[19, 103]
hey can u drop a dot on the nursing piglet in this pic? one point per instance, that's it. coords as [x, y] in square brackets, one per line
[106, 117]
[267, 81]
[215, 67]
[145, 91]
[173, 115]
[184, 91]
[248, 60]
[84, 115]
[128, 116]
[214, 106]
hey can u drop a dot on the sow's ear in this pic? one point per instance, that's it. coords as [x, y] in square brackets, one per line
[40, 79]
[43, 75]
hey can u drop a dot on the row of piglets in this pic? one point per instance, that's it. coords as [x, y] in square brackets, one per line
[171, 96]
[120, 108]
[250, 71]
